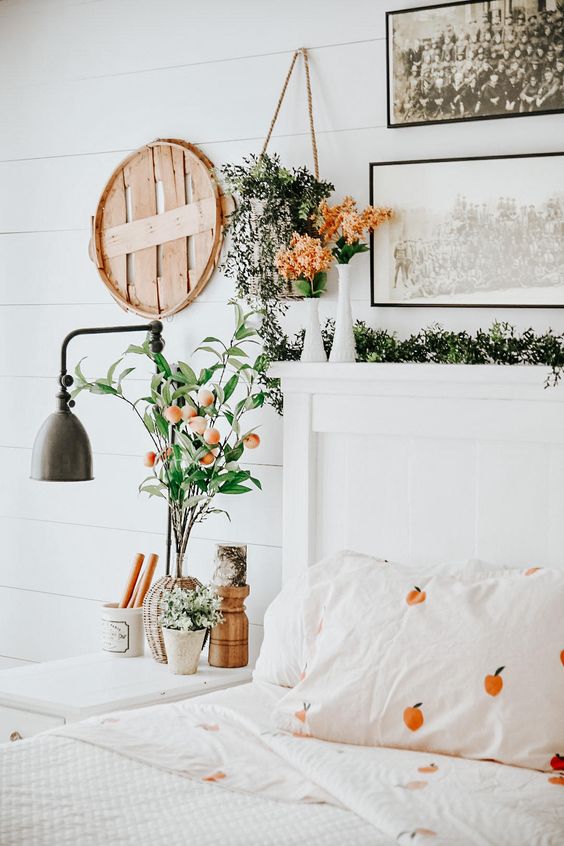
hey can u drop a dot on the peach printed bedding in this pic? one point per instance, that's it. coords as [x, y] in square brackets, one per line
[470, 666]
[226, 741]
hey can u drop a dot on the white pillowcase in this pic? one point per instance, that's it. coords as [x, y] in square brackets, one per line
[282, 656]
[466, 667]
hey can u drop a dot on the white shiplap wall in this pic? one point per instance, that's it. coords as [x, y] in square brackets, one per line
[83, 83]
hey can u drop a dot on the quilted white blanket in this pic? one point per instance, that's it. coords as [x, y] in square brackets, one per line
[212, 770]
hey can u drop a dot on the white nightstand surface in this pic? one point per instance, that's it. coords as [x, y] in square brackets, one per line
[75, 688]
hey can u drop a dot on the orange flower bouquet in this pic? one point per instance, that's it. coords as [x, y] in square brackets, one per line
[345, 227]
[305, 263]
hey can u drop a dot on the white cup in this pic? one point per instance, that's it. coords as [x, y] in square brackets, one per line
[122, 631]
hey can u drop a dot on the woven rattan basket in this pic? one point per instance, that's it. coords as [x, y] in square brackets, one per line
[152, 612]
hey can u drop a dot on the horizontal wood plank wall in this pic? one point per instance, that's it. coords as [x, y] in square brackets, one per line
[79, 93]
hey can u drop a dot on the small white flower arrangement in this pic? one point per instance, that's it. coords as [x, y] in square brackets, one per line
[190, 610]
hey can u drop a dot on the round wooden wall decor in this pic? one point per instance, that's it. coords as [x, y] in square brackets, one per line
[158, 228]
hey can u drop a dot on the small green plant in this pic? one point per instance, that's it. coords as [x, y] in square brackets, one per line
[190, 610]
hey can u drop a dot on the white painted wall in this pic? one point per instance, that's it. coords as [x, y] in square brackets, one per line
[83, 83]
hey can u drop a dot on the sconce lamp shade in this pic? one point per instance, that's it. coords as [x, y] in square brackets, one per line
[62, 451]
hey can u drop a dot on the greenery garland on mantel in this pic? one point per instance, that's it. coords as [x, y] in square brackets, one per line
[273, 202]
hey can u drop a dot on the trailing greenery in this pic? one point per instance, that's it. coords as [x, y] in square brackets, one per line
[272, 203]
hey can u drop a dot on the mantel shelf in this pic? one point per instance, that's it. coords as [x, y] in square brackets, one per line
[487, 380]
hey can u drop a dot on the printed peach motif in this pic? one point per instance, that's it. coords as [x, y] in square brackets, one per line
[302, 713]
[214, 777]
[173, 414]
[430, 768]
[415, 785]
[532, 570]
[416, 596]
[413, 717]
[557, 763]
[252, 441]
[556, 780]
[493, 684]
[562, 657]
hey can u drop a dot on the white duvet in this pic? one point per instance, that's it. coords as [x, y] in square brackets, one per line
[213, 770]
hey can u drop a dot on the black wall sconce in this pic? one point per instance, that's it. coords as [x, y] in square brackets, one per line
[62, 451]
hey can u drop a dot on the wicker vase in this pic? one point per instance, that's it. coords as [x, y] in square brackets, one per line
[152, 609]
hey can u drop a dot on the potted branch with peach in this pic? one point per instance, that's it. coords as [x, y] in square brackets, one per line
[195, 422]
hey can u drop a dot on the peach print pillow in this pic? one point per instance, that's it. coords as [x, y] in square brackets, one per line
[473, 668]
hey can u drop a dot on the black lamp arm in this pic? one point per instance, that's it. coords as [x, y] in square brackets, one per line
[155, 329]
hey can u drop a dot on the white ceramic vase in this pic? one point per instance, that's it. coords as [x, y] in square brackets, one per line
[183, 650]
[343, 348]
[313, 349]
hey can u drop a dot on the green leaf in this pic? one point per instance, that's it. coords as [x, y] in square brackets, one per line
[209, 349]
[134, 349]
[233, 489]
[303, 287]
[153, 490]
[256, 482]
[230, 386]
[161, 424]
[112, 369]
[78, 370]
[244, 332]
[124, 374]
[148, 421]
[162, 364]
[205, 375]
[237, 351]
[100, 387]
[187, 371]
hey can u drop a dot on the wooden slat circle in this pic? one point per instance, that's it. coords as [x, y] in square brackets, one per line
[158, 228]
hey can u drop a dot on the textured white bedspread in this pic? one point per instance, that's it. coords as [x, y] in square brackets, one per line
[211, 770]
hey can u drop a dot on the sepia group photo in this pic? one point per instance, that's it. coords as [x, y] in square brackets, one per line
[472, 60]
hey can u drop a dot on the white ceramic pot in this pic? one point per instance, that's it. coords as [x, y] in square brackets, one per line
[122, 631]
[343, 348]
[183, 650]
[313, 349]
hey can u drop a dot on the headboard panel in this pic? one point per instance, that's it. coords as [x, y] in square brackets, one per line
[422, 463]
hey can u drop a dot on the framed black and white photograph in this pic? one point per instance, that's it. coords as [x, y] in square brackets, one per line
[485, 231]
[475, 60]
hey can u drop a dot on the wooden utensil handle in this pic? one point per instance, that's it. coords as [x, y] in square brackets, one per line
[146, 580]
[132, 581]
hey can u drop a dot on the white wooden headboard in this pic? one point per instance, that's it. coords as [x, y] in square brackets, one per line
[420, 463]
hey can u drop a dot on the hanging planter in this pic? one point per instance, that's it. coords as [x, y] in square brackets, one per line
[273, 203]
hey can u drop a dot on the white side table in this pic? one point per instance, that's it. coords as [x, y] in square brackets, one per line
[42, 696]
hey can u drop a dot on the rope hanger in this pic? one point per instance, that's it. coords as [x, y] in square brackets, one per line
[302, 51]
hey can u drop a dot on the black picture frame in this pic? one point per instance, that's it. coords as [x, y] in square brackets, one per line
[377, 199]
[390, 15]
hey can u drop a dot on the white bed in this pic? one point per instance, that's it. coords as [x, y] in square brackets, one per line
[215, 770]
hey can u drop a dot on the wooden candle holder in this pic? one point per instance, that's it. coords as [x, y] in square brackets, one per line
[229, 641]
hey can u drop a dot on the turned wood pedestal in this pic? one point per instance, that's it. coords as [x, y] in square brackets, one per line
[229, 642]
